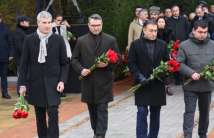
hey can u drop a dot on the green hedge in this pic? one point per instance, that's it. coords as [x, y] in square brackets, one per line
[117, 14]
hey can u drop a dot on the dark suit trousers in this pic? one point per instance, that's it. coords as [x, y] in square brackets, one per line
[204, 100]
[3, 74]
[99, 118]
[44, 130]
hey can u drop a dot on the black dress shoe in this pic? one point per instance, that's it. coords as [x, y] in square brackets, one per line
[7, 96]
[100, 136]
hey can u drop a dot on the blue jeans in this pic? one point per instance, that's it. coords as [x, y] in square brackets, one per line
[3, 74]
[142, 126]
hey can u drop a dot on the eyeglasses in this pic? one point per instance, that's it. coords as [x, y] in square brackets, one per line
[95, 25]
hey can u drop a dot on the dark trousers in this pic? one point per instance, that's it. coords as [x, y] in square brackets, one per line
[142, 126]
[3, 73]
[99, 118]
[44, 130]
[190, 99]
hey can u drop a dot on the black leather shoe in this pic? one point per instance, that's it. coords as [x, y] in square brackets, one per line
[7, 96]
[100, 136]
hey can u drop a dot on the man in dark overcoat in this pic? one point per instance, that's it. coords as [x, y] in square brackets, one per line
[178, 24]
[22, 29]
[5, 56]
[43, 72]
[146, 54]
[96, 85]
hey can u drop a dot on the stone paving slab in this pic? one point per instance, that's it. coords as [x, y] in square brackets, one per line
[122, 119]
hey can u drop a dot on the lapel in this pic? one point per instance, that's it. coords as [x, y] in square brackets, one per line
[49, 44]
[156, 51]
[99, 46]
[144, 50]
[93, 47]
[36, 44]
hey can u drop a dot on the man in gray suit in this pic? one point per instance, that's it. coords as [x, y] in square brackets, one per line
[194, 54]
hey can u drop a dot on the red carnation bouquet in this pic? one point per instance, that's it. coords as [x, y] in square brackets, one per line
[21, 108]
[109, 57]
[163, 70]
[173, 48]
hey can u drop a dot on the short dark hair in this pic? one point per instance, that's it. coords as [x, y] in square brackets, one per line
[173, 6]
[95, 16]
[58, 15]
[200, 23]
[139, 6]
[148, 22]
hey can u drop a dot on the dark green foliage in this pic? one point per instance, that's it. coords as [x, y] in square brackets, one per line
[117, 14]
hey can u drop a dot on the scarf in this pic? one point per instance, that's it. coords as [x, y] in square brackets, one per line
[63, 33]
[42, 46]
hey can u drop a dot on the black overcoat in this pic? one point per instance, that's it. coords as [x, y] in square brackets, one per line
[139, 62]
[96, 87]
[42, 79]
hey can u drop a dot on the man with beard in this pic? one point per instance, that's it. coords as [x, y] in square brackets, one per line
[194, 54]
[96, 85]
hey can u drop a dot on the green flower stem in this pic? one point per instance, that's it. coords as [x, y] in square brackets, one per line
[190, 80]
[134, 88]
[92, 68]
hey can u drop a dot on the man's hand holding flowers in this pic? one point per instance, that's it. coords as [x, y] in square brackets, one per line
[142, 80]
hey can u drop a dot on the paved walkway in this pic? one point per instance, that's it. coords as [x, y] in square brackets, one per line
[122, 119]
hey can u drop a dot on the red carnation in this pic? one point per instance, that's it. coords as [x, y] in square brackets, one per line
[173, 65]
[24, 114]
[174, 54]
[109, 57]
[21, 109]
[16, 115]
[112, 56]
[176, 45]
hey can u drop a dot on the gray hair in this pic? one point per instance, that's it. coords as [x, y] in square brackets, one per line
[95, 16]
[44, 14]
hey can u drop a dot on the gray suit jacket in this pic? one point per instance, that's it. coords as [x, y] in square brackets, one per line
[194, 55]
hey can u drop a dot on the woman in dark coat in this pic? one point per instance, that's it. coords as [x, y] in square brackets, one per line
[164, 33]
[145, 54]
